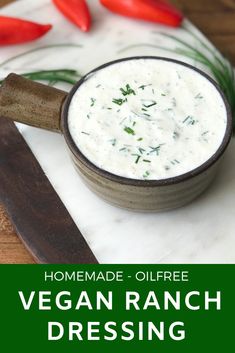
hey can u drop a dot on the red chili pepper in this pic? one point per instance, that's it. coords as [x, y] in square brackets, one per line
[15, 31]
[76, 11]
[150, 10]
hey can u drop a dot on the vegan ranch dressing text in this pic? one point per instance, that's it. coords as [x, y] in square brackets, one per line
[147, 119]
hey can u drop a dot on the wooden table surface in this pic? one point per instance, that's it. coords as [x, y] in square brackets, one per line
[216, 18]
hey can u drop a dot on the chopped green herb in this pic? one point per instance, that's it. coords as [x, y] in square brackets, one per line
[109, 108]
[179, 77]
[189, 120]
[134, 123]
[163, 95]
[143, 86]
[146, 161]
[140, 139]
[119, 101]
[205, 133]
[174, 102]
[85, 133]
[175, 161]
[113, 142]
[127, 91]
[146, 174]
[175, 135]
[123, 149]
[88, 116]
[98, 86]
[155, 150]
[150, 104]
[137, 159]
[129, 130]
[93, 100]
[198, 96]
[141, 150]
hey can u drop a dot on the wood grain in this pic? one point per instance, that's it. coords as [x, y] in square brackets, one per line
[216, 18]
[42, 221]
[11, 249]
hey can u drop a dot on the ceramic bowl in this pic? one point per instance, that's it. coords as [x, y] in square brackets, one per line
[48, 108]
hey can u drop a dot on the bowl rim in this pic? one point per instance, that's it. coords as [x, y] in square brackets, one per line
[140, 182]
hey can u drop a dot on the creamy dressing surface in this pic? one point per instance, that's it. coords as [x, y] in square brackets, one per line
[147, 119]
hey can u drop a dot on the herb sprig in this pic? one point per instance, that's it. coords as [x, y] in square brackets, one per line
[69, 76]
[219, 66]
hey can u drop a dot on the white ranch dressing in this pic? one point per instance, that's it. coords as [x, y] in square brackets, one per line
[147, 119]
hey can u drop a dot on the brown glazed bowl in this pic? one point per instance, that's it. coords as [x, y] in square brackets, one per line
[45, 107]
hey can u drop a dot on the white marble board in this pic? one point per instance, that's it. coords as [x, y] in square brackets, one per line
[202, 232]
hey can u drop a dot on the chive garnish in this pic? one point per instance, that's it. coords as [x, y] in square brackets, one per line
[85, 133]
[141, 150]
[53, 76]
[146, 161]
[175, 135]
[146, 174]
[143, 86]
[140, 139]
[190, 120]
[184, 121]
[174, 102]
[93, 100]
[175, 161]
[179, 77]
[198, 96]
[119, 101]
[127, 91]
[113, 142]
[129, 130]
[155, 150]
[204, 133]
[137, 158]
[150, 105]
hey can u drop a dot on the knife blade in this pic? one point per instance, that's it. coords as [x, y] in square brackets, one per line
[39, 216]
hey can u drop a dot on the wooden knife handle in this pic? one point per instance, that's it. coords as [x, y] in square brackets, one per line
[31, 103]
[39, 216]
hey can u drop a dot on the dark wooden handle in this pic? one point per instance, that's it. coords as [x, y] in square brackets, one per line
[31, 103]
[39, 216]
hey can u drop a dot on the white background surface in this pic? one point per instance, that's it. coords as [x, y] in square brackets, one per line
[202, 232]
